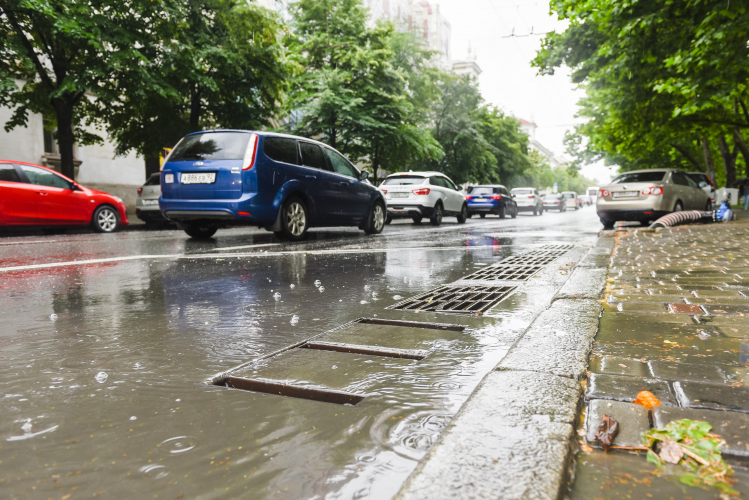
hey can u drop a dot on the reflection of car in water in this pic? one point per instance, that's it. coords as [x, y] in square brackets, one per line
[283, 183]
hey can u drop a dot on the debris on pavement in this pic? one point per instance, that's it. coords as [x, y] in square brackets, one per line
[607, 431]
[646, 399]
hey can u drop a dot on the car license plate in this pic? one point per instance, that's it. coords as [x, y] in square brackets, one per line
[150, 202]
[480, 200]
[625, 194]
[399, 195]
[207, 178]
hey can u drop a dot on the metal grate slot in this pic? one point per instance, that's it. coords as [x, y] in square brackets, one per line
[411, 324]
[502, 272]
[456, 299]
[387, 352]
[293, 391]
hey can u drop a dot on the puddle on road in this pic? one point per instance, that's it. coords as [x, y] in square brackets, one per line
[159, 329]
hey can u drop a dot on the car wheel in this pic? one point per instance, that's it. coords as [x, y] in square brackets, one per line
[678, 207]
[388, 219]
[294, 219]
[540, 210]
[105, 219]
[514, 212]
[644, 222]
[501, 212]
[607, 224]
[463, 216]
[201, 231]
[376, 219]
[482, 215]
[417, 219]
[534, 211]
[436, 218]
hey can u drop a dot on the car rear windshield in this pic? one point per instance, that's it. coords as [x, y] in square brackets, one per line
[153, 180]
[551, 197]
[211, 146]
[481, 190]
[522, 191]
[404, 180]
[639, 177]
[568, 195]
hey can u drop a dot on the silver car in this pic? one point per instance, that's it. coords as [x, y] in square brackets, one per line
[147, 202]
[646, 195]
[555, 201]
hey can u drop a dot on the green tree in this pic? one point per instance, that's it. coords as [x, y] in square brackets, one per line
[508, 145]
[665, 80]
[64, 53]
[221, 65]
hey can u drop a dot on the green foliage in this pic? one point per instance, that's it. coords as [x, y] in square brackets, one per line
[698, 453]
[660, 76]
[214, 64]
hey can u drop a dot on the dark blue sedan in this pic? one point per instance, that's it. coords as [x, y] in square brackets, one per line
[491, 199]
[282, 183]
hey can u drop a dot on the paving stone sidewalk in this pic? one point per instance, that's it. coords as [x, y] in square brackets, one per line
[675, 322]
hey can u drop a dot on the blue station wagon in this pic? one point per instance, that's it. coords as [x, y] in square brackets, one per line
[282, 183]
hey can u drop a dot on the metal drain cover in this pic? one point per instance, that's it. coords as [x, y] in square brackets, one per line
[501, 272]
[456, 299]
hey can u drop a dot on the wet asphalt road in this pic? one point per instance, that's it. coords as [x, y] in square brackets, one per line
[106, 341]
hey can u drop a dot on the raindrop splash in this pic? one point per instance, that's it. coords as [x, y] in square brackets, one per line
[101, 377]
[294, 319]
[53, 317]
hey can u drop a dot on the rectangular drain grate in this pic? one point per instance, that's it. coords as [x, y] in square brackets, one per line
[456, 299]
[293, 391]
[387, 352]
[501, 272]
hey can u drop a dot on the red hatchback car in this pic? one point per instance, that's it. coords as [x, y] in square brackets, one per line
[32, 195]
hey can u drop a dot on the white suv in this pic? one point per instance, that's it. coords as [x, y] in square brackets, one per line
[423, 194]
[528, 200]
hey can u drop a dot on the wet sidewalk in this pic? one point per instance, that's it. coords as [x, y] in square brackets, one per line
[675, 324]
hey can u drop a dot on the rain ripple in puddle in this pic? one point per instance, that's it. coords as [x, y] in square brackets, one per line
[177, 445]
[154, 471]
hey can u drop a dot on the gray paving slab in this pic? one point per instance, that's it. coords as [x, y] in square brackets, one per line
[732, 426]
[620, 388]
[585, 283]
[693, 372]
[712, 396]
[618, 365]
[633, 419]
[511, 440]
[558, 341]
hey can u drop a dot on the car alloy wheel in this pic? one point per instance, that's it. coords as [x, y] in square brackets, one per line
[678, 207]
[106, 220]
[436, 219]
[295, 218]
[377, 219]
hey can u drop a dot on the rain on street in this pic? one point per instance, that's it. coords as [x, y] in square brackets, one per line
[108, 341]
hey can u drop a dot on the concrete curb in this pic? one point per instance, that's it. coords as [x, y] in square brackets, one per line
[513, 438]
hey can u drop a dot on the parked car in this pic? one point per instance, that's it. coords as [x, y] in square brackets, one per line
[572, 199]
[646, 195]
[33, 195]
[423, 194]
[705, 183]
[555, 201]
[491, 199]
[147, 202]
[528, 200]
[585, 200]
[283, 183]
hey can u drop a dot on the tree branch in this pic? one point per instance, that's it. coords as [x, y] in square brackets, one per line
[30, 50]
[685, 153]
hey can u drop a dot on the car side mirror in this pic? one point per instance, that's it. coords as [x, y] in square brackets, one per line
[363, 175]
[76, 187]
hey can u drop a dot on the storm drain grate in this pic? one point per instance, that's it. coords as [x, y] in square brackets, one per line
[293, 391]
[456, 299]
[501, 272]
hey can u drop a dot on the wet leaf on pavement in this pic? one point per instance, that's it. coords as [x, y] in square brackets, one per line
[647, 399]
[671, 452]
[607, 431]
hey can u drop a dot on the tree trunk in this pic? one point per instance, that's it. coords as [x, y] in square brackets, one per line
[739, 140]
[152, 165]
[685, 153]
[729, 161]
[376, 162]
[709, 165]
[195, 109]
[65, 138]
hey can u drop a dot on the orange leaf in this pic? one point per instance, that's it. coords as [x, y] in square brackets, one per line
[646, 399]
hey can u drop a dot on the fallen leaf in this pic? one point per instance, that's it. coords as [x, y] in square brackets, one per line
[668, 342]
[623, 366]
[584, 446]
[671, 452]
[646, 399]
[430, 300]
[607, 431]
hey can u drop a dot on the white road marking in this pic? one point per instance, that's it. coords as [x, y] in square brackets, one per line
[222, 249]
[28, 242]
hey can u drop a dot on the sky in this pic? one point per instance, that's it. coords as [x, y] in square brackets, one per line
[508, 81]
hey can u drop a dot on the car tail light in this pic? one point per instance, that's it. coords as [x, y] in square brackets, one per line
[421, 191]
[384, 191]
[140, 190]
[250, 153]
[469, 197]
[604, 192]
[495, 197]
[655, 191]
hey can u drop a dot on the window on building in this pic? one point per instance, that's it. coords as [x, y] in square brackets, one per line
[50, 143]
